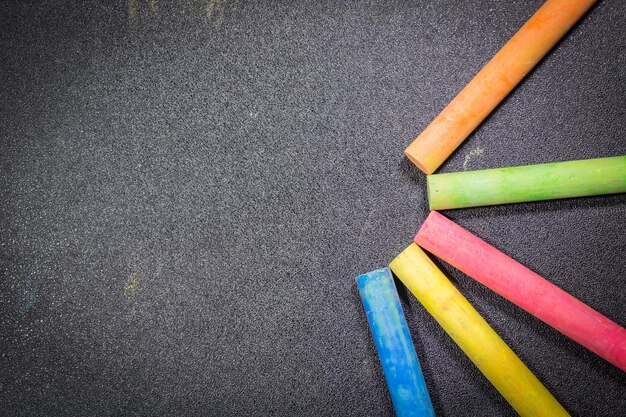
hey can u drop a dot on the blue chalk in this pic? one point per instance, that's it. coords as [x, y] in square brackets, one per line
[394, 344]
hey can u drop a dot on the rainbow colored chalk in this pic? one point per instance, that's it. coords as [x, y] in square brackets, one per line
[527, 183]
[486, 264]
[475, 337]
[394, 344]
[458, 247]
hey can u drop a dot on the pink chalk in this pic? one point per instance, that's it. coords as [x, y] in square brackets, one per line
[523, 287]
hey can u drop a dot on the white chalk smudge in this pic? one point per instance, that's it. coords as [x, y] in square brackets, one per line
[472, 154]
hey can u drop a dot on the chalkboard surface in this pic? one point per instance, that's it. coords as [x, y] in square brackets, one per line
[189, 189]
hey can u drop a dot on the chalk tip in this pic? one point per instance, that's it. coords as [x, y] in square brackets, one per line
[372, 275]
[432, 215]
[428, 192]
[416, 161]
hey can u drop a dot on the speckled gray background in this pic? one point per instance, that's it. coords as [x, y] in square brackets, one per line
[189, 189]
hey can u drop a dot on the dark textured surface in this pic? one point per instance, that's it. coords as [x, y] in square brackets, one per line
[189, 189]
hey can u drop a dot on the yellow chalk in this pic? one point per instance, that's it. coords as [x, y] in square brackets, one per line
[475, 337]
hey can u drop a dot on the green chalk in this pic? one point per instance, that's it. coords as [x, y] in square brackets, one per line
[527, 183]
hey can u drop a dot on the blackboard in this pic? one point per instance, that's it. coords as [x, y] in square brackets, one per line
[190, 188]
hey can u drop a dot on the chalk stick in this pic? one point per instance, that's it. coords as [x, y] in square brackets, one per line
[527, 183]
[518, 284]
[394, 344]
[494, 82]
[475, 337]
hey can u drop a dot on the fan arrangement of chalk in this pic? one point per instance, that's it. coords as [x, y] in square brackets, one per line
[476, 258]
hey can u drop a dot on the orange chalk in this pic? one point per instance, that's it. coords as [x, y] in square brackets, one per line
[494, 82]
